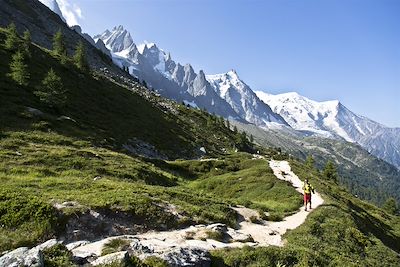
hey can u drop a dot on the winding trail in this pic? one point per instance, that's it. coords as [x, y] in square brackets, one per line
[264, 233]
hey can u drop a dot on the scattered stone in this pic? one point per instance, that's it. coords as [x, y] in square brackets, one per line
[14, 258]
[193, 257]
[237, 236]
[18, 153]
[77, 244]
[97, 178]
[138, 248]
[65, 118]
[48, 244]
[117, 257]
[273, 232]
[24, 256]
[141, 148]
[218, 227]
[34, 111]
[203, 150]
[67, 204]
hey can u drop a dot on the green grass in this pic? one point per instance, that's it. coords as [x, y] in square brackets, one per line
[58, 256]
[47, 168]
[344, 231]
[243, 180]
[106, 114]
[115, 245]
[44, 160]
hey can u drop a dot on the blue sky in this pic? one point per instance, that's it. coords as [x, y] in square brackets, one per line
[331, 49]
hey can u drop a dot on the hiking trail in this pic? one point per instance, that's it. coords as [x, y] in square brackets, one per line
[263, 233]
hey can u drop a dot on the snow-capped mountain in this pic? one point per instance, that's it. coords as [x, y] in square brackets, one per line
[243, 100]
[53, 6]
[333, 119]
[180, 82]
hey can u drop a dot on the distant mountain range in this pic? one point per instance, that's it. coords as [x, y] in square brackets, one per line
[225, 94]
[228, 96]
[332, 119]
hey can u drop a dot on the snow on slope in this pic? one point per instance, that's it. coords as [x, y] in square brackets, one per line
[304, 114]
[243, 100]
[332, 119]
[53, 6]
[172, 80]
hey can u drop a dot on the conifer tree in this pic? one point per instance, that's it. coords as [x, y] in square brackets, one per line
[59, 46]
[390, 206]
[11, 41]
[80, 58]
[228, 124]
[51, 90]
[26, 43]
[330, 171]
[310, 162]
[18, 69]
[235, 130]
[251, 138]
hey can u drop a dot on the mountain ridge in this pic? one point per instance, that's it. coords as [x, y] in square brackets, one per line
[334, 120]
[180, 82]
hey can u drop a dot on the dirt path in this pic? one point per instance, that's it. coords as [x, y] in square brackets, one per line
[264, 233]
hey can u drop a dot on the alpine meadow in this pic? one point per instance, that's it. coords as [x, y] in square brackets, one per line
[114, 154]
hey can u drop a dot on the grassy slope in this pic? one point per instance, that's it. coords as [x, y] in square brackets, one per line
[44, 160]
[365, 175]
[344, 231]
[106, 114]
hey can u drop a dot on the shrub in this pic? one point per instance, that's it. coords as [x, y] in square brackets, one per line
[51, 90]
[115, 245]
[58, 256]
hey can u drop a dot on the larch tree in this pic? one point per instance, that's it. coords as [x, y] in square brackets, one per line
[59, 47]
[80, 58]
[51, 91]
[18, 69]
[11, 41]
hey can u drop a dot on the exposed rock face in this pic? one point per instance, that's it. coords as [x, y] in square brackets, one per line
[193, 257]
[117, 257]
[26, 257]
[333, 119]
[174, 255]
[181, 83]
[43, 24]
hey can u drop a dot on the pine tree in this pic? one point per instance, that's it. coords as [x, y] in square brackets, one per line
[26, 43]
[251, 138]
[209, 121]
[390, 206]
[330, 171]
[80, 58]
[11, 41]
[59, 46]
[51, 90]
[235, 130]
[18, 69]
[310, 162]
[228, 124]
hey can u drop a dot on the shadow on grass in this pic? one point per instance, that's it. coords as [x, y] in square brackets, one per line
[368, 224]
